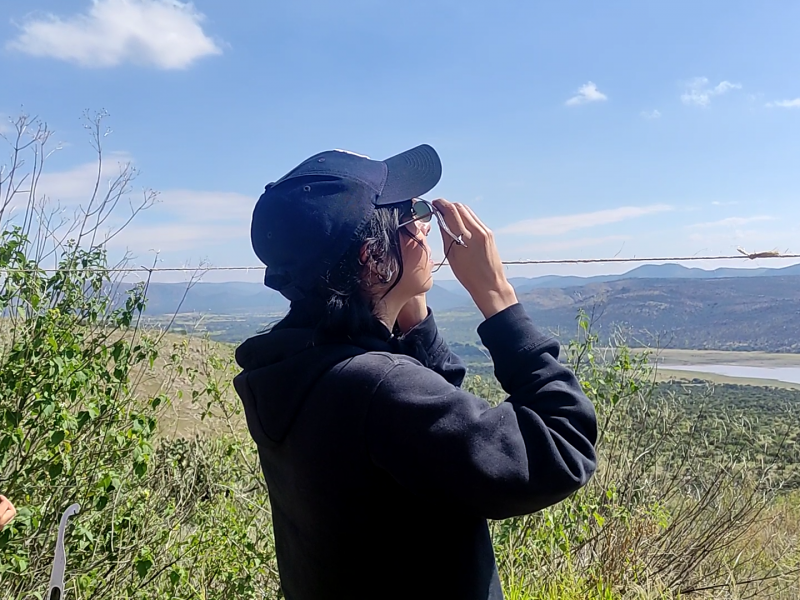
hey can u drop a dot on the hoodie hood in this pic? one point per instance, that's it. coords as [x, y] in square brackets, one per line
[279, 370]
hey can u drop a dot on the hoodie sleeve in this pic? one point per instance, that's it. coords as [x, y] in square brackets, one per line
[424, 343]
[531, 451]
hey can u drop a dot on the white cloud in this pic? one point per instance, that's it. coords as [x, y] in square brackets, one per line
[731, 222]
[7, 124]
[203, 206]
[726, 86]
[189, 221]
[750, 238]
[571, 244]
[177, 237]
[784, 104]
[587, 93]
[166, 34]
[566, 223]
[74, 186]
[651, 114]
[719, 203]
[699, 93]
[181, 219]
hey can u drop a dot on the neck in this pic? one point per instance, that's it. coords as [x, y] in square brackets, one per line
[387, 315]
[388, 308]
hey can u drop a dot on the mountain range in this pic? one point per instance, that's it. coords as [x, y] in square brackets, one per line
[735, 313]
[254, 298]
[665, 271]
[731, 313]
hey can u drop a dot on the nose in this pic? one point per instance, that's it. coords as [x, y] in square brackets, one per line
[425, 228]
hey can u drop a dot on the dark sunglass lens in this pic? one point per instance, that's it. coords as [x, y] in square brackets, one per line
[422, 211]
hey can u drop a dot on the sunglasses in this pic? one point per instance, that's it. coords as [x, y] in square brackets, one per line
[423, 211]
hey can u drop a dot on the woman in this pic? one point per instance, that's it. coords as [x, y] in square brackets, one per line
[7, 511]
[381, 471]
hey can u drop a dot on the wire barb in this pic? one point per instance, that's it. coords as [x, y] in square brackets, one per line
[755, 255]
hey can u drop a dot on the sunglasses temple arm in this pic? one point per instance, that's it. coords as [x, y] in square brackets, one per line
[443, 225]
[440, 218]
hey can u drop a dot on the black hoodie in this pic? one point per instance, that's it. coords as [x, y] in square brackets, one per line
[382, 471]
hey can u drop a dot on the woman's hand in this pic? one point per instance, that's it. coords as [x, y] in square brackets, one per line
[413, 313]
[477, 265]
[7, 511]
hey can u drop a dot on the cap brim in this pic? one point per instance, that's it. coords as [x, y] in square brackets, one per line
[410, 174]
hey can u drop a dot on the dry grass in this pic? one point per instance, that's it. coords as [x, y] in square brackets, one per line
[777, 533]
[715, 357]
[667, 375]
[183, 417]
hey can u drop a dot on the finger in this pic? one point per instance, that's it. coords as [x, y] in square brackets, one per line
[483, 225]
[7, 512]
[451, 215]
[472, 222]
[452, 218]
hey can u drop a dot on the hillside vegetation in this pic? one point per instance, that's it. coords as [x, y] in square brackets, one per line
[747, 313]
[693, 498]
[741, 314]
[686, 502]
[714, 314]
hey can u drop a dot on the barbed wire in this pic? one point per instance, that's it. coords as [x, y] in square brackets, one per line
[743, 255]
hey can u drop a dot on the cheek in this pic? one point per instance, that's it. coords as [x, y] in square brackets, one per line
[415, 255]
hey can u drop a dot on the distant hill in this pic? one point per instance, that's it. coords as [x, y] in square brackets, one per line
[237, 298]
[214, 298]
[737, 313]
[250, 298]
[666, 271]
[721, 314]
[755, 309]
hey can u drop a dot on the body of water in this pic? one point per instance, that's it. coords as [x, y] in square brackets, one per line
[785, 374]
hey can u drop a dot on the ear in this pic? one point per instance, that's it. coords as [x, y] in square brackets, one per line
[367, 269]
[363, 255]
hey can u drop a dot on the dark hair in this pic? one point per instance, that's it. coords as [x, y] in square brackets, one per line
[339, 308]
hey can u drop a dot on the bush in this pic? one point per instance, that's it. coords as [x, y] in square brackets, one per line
[160, 518]
[672, 511]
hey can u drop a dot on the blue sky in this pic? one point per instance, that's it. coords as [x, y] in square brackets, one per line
[575, 129]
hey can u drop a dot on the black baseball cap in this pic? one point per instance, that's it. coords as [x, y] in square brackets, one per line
[304, 222]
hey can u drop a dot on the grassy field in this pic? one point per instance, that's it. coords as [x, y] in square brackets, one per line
[667, 358]
[715, 357]
[599, 544]
[182, 417]
[184, 420]
[665, 374]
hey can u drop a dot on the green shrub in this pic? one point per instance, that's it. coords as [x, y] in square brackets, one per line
[160, 517]
[672, 511]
